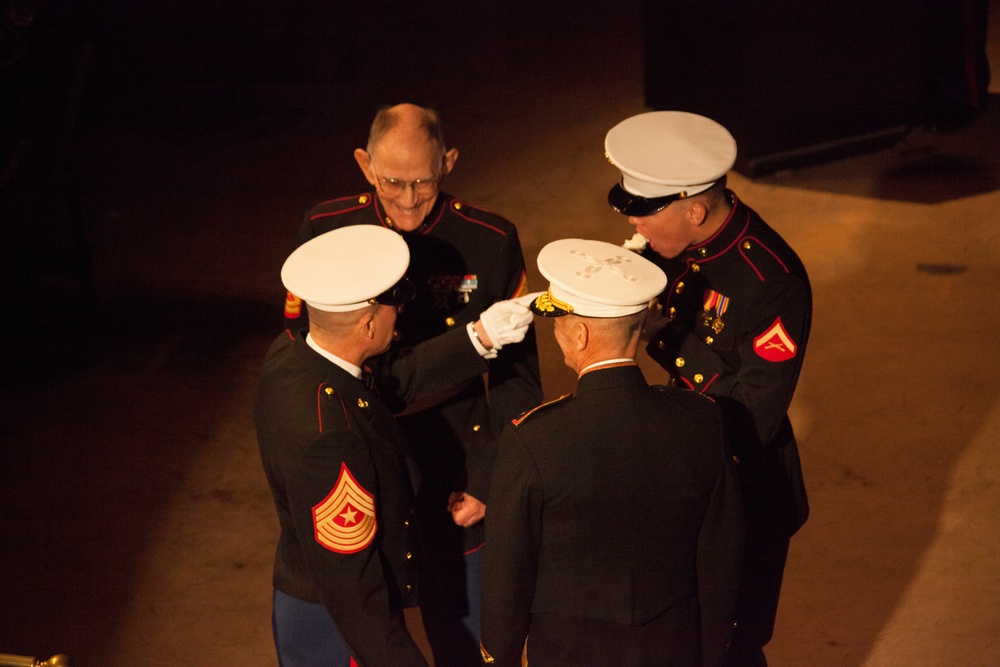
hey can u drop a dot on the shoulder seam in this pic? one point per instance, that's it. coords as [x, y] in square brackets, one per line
[325, 390]
[360, 201]
[520, 420]
[753, 265]
[457, 206]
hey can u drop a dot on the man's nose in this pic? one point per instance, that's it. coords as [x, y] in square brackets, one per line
[409, 195]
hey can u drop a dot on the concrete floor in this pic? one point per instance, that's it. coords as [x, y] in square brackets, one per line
[136, 524]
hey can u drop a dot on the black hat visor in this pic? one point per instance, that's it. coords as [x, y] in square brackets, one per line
[397, 295]
[627, 203]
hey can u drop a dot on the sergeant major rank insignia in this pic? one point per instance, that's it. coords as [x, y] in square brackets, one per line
[345, 520]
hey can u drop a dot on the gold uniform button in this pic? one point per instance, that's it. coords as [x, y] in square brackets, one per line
[363, 199]
[698, 378]
[406, 522]
[409, 587]
[672, 313]
[679, 362]
[695, 267]
[476, 428]
[746, 245]
[450, 321]
[736, 459]
[409, 555]
[702, 251]
[457, 206]
[679, 289]
[362, 403]
[709, 340]
[329, 391]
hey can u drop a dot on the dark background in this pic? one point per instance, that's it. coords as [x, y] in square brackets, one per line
[795, 82]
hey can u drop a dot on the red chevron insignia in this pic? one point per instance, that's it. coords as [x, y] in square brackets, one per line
[775, 344]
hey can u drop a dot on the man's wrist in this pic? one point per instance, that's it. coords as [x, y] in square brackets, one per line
[480, 332]
[480, 341]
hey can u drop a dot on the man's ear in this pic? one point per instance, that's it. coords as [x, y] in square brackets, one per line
[450, 158]
[367, 325]
[697, 213]
[364, 160]
[581, 334]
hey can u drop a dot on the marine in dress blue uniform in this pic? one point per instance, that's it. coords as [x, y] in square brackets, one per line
[733, 324]
[462, 259]
[339, 468]
[615, 517]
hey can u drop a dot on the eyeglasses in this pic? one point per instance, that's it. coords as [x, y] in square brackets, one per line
[400, 293]
[421, 186]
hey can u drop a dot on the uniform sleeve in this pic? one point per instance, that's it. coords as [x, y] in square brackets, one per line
[514, 379]
[409, 374]
[340, 544]
[510, 558]
[719, 560]
[771, 354]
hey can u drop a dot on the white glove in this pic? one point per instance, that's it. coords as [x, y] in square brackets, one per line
[508, 321]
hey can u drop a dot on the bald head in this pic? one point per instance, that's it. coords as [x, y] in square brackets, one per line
[337, 325]
[407, 125]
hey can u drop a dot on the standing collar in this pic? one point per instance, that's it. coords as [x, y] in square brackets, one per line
[429, 221]
[332, 358]
[610, 375]
[608, 363]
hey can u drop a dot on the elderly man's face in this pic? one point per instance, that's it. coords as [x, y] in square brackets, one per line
[406, 171]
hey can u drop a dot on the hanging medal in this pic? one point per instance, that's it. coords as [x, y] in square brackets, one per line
[714, 301]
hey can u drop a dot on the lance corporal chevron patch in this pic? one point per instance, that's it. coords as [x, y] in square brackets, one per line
[345, 520]
[775, 344]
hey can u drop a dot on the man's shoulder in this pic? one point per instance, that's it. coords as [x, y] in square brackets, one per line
[541, 413]
[301, 388]
[766, 251]
[281, 350]
[685, 401]
[478, 217]
[341, 207]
